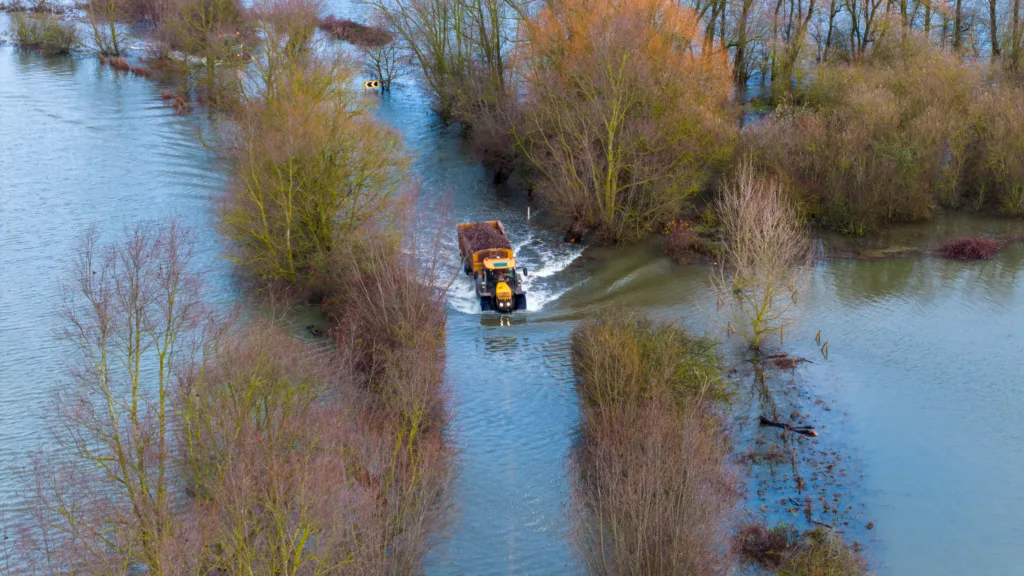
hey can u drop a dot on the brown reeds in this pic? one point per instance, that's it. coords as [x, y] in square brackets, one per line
[652, 491]
[355, 33]
[970, 249]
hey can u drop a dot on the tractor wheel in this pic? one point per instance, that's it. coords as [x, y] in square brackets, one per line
[485, 305]
[466, 267]
[521, 302]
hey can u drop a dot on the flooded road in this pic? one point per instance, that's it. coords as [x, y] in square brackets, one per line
[923, 375]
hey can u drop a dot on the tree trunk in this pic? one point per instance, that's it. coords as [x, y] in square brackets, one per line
[958, 24]
[831, 29]
[739, 63]
[993, 28]
[928, 21]
[1015, 36]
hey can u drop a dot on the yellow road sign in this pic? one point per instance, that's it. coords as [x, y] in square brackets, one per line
[371, 84]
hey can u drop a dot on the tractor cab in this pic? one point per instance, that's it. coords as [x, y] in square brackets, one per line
[502, 283]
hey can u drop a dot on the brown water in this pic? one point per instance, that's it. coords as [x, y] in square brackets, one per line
[922, 376]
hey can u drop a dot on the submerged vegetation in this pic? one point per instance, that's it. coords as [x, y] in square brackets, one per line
[44, 32]
[785, 552]
[970, 249]
[356, 33]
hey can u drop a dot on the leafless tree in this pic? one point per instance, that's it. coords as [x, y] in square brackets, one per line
[383, 62]
[134, 317]
[653, 492]
[765, 256]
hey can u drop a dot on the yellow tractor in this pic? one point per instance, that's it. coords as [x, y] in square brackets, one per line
[487, 255]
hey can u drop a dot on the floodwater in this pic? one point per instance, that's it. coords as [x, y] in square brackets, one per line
[79, 146]
[921, 393]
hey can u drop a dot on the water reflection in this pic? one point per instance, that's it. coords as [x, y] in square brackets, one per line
[927, 278]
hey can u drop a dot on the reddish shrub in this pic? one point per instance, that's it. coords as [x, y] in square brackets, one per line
[355, 33]
[118, 63]
[767, 547]
[970, 249]
[141, 71]
[181, 105]
[681, 242]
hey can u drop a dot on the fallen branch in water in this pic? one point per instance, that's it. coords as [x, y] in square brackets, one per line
[787, 361]
[805, 430]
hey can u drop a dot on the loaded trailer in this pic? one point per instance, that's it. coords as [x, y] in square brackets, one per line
[487, 256]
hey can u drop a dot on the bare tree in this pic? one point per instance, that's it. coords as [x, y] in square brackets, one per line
[618, 145]
[133, 314]
[464, 48]
[765, 256]
[382, 61]
[105, 18]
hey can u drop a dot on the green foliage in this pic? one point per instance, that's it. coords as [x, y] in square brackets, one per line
[625, 357]
[44, 32]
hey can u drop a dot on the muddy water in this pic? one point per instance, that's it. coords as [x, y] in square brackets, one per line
[921, 392]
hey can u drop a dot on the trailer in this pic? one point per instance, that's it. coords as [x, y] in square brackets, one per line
[487, 256]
